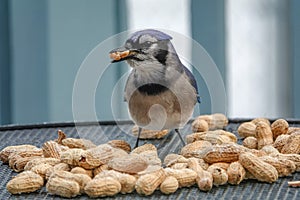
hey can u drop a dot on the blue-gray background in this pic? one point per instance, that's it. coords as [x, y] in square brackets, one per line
[44, 42]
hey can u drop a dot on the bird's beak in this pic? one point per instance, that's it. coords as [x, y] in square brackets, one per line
[121, 53]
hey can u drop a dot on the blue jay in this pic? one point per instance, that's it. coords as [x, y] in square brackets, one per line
[160, 91]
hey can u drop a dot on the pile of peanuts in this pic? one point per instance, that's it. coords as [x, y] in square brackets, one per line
[70, 167]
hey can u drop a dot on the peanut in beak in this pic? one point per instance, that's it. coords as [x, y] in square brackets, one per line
[119, 55]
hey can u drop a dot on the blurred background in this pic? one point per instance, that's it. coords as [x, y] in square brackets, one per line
[255, 44]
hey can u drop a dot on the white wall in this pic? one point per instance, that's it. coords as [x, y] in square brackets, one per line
[258, 67]
[166, 14]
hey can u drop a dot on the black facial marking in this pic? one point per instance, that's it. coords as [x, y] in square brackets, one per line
[162, 56]
[162, 52]
[152, 89]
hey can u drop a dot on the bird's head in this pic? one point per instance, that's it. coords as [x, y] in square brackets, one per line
[144, 47]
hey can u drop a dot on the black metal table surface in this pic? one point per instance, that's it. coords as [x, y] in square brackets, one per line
[101, 132]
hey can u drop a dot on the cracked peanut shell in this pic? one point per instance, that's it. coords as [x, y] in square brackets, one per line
[81, 158]
[220, 176]
[236, 173]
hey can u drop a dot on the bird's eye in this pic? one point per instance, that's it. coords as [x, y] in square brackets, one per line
[147, 44]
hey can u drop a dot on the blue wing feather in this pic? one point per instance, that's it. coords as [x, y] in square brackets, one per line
[192, 81]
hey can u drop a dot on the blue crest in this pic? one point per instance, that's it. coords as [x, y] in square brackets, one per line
[155, 33]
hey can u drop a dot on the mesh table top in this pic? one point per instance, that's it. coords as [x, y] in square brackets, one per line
[101, 132]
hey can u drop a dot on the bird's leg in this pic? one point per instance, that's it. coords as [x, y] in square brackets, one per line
[179, 135]
[138, 137]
